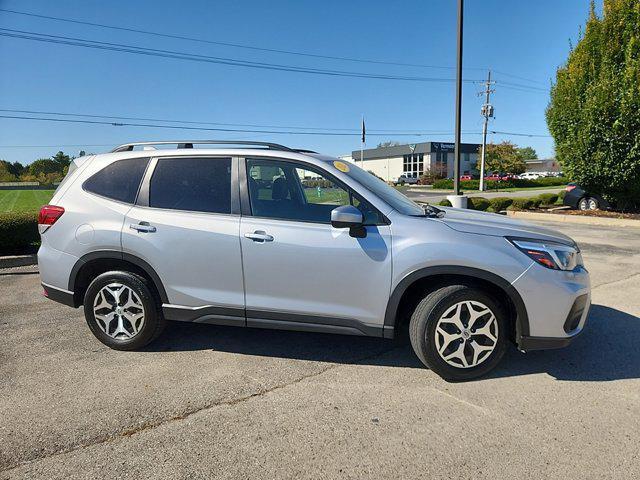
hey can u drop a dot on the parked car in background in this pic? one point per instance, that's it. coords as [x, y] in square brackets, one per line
[529, 176]
[579, 199]
[466, 176]
[405, 179]
[499, 176]
[494, 176]
[139, 237]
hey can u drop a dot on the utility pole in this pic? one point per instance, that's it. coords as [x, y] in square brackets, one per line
[457, 200]
[486, 112]
[456, 164]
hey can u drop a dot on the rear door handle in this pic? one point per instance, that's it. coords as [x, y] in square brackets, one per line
[259, 236]
[143, 227]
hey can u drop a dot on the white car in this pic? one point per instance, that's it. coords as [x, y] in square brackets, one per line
[529, 176]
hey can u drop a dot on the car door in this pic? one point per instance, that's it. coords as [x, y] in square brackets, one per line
[299, 271]
[185, 225]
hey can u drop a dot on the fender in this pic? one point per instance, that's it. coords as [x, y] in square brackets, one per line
[522, 319]
[118, 255]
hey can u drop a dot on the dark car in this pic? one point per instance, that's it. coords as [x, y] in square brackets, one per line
[579, 199]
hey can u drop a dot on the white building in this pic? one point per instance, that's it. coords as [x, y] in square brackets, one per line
[415, 159]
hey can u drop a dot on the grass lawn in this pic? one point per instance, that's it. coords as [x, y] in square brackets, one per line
[24, 200]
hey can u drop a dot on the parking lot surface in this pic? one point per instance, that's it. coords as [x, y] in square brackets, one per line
[218, 402]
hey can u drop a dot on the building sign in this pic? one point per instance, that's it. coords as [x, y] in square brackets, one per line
[443, 147]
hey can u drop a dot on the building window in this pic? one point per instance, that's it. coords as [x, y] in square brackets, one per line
[413, 165]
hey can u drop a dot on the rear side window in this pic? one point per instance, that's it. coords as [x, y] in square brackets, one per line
[118, 181]
[193, 184]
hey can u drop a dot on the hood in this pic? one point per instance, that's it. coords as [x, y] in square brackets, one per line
[483, 223]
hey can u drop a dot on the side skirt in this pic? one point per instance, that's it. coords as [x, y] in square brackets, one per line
[273, 320]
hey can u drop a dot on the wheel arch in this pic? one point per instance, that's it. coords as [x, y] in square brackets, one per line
[413, 286]
[92, 264]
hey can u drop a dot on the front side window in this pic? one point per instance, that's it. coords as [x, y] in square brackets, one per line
[289, 191]
[119, 180]
[192, 184]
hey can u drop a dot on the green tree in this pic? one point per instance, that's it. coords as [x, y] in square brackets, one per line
[527, 153]
[44, 166]
[5, 173]
[61, 159]
[388, 144]
[594, 110]
[503, 157]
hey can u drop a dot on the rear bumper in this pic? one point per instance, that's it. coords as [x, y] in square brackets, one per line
[58, 295]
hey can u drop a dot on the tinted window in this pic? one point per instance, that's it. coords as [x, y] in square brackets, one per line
[194, 184]
[119, 181]
[291, 191]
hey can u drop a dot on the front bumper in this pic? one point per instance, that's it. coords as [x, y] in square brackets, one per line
[557, 305]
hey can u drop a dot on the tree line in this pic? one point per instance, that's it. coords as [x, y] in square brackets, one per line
[46, 171]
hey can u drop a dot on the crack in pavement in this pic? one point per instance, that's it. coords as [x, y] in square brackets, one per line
[182, 416]
[616, 281]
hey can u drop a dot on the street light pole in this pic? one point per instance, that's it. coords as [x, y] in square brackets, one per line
[456, 165]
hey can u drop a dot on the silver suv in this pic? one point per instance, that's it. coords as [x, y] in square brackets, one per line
[271, 237]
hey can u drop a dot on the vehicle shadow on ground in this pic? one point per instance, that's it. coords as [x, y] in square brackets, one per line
[608, 349]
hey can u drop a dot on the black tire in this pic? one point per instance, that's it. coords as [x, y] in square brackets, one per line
[422, 331]
[583, 203]
[593, 203]
[153, 323]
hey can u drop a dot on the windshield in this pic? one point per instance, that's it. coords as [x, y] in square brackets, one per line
[387, 193]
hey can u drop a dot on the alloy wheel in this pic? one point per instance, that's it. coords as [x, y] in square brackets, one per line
[466, 334]
[118, 311]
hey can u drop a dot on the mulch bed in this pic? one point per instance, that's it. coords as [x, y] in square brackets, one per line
[598, 213]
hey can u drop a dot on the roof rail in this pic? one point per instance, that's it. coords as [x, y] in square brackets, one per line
[127, 147]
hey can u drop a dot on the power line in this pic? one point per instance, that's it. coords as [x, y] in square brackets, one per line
[118, 47]
[210, 129]
[513, 134]
[252, 47]
[190, 122]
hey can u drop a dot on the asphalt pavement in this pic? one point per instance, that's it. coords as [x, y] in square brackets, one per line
[221, 402]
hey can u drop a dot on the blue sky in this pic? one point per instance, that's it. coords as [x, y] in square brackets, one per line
[525, 39]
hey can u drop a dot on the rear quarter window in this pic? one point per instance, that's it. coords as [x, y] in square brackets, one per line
[119, 180]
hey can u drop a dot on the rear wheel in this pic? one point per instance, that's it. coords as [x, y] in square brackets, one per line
[459, 332]
[593, 203]
[583, 204]
[122, 311]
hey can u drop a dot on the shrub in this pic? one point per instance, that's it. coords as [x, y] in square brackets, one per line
[548, 198]
[499, 204]
[447, 183]
[535, 202]
[444, 203]
[18, 230]
[478, 203]
[521, 204]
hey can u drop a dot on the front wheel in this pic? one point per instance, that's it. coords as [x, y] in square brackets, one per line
[122, 311]
[459, 332]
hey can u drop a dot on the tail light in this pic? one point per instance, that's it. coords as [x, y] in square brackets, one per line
[568, 188]
[49, 214]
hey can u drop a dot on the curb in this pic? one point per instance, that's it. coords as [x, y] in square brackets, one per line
[12, 261]
[602, 221]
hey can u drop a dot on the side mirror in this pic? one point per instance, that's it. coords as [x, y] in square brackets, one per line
[348, 216]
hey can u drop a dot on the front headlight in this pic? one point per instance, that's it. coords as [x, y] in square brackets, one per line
[555, 256]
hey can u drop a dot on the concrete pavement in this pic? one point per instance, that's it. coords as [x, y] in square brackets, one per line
[216, 402]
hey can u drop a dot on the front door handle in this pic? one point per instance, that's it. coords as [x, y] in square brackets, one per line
[143, 227]
[259, 236]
